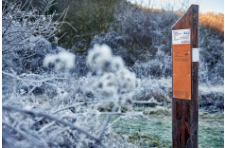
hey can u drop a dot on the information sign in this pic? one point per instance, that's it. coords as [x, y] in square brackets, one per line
[181, 53]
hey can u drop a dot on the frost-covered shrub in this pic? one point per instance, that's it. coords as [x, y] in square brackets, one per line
[24, 35]
[112, 78]
[211, 62]
[159, 67]
[24, 46]
[56, 109]
[138, 33]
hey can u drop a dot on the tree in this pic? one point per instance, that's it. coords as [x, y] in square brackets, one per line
[85, 19]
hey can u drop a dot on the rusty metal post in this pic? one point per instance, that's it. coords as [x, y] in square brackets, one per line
[185, 89]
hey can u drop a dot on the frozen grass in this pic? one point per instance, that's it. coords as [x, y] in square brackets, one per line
[156, 130]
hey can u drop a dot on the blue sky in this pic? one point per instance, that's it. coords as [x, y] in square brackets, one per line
[216, 6]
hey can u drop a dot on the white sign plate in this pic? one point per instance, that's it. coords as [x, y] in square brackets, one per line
[195, 54]
[181, 36]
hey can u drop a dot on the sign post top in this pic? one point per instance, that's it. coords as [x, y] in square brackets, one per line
[185, 20]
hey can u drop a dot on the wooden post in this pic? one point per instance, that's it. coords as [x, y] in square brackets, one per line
[185, 80]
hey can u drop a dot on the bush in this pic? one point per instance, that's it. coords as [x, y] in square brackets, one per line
[83, 21]
[47, 105]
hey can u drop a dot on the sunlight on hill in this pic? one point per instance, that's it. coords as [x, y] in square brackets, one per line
[214, 21]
